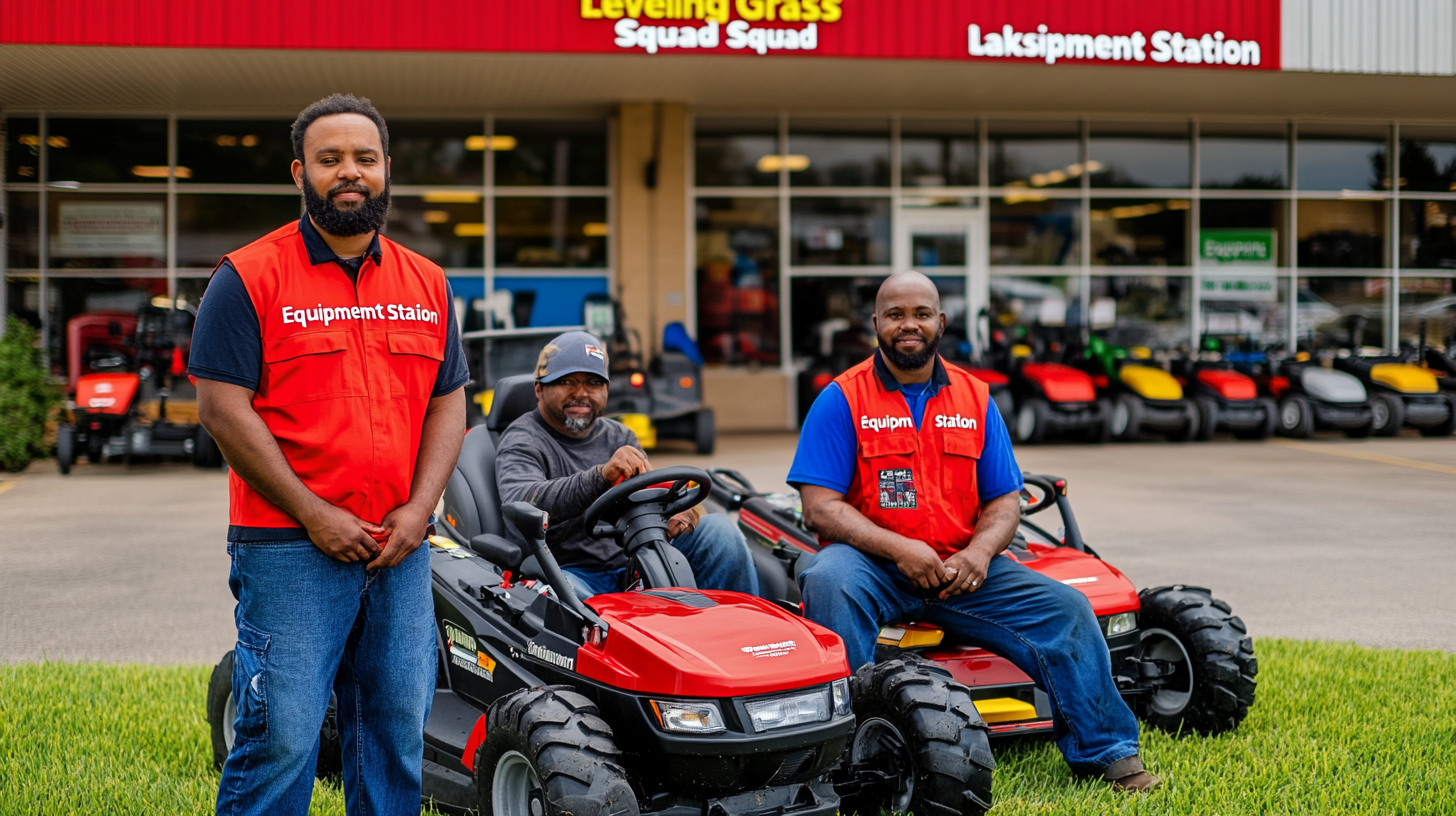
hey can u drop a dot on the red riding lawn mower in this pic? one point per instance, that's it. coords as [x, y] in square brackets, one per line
[120, 364]
[1228, 399]
[1182, 660]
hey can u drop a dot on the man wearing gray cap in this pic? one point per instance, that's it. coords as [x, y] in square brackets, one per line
[563, 455]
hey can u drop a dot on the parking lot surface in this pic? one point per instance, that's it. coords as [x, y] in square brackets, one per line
[1327, 539]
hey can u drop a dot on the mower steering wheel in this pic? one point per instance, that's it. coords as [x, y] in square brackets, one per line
[1048, 496]
[686, 487]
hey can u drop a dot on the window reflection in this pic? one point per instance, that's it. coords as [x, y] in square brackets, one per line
[550, 152]
[22, 221]
[1139, 232]
[736, 152]
[1342, 158]
[938, 154]
[1036, 154]
[1142, 310]
[120, 231]
[1341, 233]
[851, 153]
[738, 272]
[234, 151]
[1267, 216]
[1034, 233]
[1328, 307]
[1243, 156]
[22, 150]
[1427, 159]
[1428, 234]
[107, 151]
[1138, 155]
[551, 231]
[840, 231]
[1034, 310]
[450, 233]
[1428, 303]
[210, 226]
[437, 152]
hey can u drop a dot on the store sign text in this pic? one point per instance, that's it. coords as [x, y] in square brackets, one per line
[1164, 46]
[717, 26]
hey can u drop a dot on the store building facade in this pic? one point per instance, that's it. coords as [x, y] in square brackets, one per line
[1155, 172]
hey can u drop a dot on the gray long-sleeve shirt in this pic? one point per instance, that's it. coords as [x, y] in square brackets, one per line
[534, 463]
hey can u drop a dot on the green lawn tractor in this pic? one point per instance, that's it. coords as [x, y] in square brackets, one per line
[1145, 398]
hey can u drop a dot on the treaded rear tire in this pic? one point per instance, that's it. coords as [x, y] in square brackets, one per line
[948, 743]
[219, 690]
[569, 746]
[1447, 426]
[1031, 421]
[1295, 419]
[1394, 414]
[1131, 408]
[1207, 419]
[705, 432]
[1221, 659]
[65, 447]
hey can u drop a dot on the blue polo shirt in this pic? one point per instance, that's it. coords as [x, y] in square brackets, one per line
[828, 448]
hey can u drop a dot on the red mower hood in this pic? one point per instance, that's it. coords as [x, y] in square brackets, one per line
[1228, 384]
[1109, 590]
[1060, 383]
[690, 643]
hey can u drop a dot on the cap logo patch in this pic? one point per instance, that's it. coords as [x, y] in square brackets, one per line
[596, 351]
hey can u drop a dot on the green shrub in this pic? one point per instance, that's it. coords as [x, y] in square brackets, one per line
[27, 396]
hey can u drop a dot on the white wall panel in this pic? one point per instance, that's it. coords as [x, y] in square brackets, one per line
[1369, 36]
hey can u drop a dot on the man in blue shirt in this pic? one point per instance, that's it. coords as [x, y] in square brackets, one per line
[920, 517]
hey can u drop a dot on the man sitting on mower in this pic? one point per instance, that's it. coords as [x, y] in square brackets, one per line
[564, 455]
[901, 463]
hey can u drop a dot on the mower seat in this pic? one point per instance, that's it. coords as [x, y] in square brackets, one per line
[514, 397]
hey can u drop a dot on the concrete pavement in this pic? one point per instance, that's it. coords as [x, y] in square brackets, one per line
[1329, 539]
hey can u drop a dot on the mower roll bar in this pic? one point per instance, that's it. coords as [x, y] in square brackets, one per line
[1056, 488]
[532, 522]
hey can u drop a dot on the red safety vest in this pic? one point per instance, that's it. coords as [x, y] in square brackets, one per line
[347, 372]
[920, 484]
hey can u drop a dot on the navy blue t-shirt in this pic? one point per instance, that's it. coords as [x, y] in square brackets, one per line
[227, 343]
[827, 454]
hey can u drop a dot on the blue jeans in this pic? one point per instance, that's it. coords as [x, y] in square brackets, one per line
[308, 624]
[1045, 628]
[715, 550]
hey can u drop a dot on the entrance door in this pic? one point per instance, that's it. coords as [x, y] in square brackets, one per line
[949, 245]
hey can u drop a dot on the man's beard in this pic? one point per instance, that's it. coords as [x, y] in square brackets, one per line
[577, 424]
[368, 216]
[916, 360]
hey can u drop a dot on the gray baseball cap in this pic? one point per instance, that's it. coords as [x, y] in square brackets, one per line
[571, 353]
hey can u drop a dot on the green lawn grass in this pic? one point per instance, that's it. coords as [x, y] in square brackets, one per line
[1337, 730]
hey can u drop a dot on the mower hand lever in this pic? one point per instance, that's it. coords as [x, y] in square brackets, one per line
[532, 522]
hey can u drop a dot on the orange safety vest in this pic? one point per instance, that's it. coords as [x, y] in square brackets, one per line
[920, 484]
[348, 372]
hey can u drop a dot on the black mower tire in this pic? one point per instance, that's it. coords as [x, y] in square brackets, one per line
[942, 735]
[1130, 408]
[570, 751]
[1447, 426]
[1191, 424]
[330, 763]
[1388, 411]
[705, 432]
[1207, 418]
[1296, 419]
[1032, 417]
[65, 447]
[1220, 660]
[1101, 433]
[1266, 426]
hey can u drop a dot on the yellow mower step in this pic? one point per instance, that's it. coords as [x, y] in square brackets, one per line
[1005, 709]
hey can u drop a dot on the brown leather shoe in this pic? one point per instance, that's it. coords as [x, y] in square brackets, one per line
[1136, 782]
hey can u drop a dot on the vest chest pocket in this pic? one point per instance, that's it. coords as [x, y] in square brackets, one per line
[958, 461]
[414, 363]
[309, 367]
[888, 469]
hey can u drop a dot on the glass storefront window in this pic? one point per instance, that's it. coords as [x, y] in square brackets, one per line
[1124, 154]
[830, 319]
[1245, 307]
[1333, 157]
[1037, 310]
[1243, 156]
[738, 279]
[1328, 306]
[556, 152]
[551, 232]
[840, 231]
[1427, 234]
[22, 217]
[1427, 159]
[22, 150]
[1036, 154]
[210, 226]
[106, 151]
[839, 153]
[451, 233]
[437, 152]
[1431, 301]
[1139, 232]
[1142, 310]
[234, 151]
[1035, 233]
[939, 153]
[1342, 233]
[67, 297]
[1268, 217]
[111, 231]
[739, 152]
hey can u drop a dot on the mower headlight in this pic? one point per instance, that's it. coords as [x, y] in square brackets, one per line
[1121, 624]
[839, 689]
[688, 716]
[789, 710]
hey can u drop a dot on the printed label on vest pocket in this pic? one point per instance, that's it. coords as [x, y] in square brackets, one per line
[897, 489]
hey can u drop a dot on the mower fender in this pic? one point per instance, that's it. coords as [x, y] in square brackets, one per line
[1060, 383]
[1404, 378]
[1150, 383]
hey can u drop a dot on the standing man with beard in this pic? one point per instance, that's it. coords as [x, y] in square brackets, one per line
[911, 485]
[329, 370]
